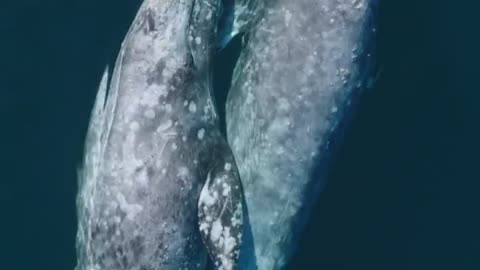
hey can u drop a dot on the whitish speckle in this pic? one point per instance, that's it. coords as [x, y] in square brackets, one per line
[168, 107]
[192, 107]
[164, 126]
[228, 166]
[182, 172]
[216, 231]
[142, 177]
[206, 198]
[150, 114]
[226, 190]
[201, 133]
[250, 98]
[284, 104]
[134, 126]
[131, 209]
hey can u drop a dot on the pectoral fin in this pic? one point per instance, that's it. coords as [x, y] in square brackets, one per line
[221, 216]
[93, 140]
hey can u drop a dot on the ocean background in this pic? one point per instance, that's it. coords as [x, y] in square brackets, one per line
[404, 193]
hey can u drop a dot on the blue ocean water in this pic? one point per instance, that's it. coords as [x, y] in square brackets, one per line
[404, 191]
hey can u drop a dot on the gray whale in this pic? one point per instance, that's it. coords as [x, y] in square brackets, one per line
[159, 188]
[294, 86]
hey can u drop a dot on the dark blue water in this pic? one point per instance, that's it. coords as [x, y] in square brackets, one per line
[404, 192]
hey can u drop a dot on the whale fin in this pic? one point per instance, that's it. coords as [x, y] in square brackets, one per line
[97, 116]
[102, 91]
[93, 140]
[220, 214]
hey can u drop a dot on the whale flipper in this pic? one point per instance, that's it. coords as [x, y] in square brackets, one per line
[221, 215]
[93, 142]
[102, 93]
[98, 111]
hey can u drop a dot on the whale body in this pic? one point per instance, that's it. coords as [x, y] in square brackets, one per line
[301, 71]
[159, 187]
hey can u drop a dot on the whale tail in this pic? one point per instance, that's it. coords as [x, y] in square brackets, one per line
[220, 210]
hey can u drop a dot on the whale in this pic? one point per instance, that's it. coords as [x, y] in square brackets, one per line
[300, 75]
[158, 185]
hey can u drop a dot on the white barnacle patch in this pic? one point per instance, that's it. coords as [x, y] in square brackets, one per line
[164, 126]
[225, 242]
[220, 220]
[182, 172]
[130, 209]
[170, 66]
[237, 218]
[208, 199]
[201, 133]
[134, 125]
[343, 74]
[250, 98]
[150, 113]
[151, 95]
[216, 231]
[168, 107]
[283, 104]
[204, 227]
[198, 40]
[142, 178]
[192, 107]
[226, 190]
[228, 166]
[279, 125]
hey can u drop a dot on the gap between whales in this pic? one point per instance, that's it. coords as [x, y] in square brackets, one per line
[158, 178]
[294, 88]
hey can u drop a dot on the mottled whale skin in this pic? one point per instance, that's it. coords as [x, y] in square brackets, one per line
[158, 177]
[294, 86]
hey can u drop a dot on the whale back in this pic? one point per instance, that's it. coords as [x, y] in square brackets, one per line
[302, 69]
[152, 140]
